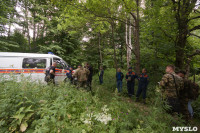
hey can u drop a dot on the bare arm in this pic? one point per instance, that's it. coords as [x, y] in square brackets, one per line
[51, 71]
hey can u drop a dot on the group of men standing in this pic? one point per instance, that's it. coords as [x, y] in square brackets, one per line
[82, 75]
[178, 92]
[130, 77]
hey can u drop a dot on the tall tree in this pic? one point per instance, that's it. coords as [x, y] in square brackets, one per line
[183, 9]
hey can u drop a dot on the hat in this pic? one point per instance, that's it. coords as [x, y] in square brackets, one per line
[130, 68]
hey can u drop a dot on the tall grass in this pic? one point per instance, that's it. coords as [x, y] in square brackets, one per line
[38, 108]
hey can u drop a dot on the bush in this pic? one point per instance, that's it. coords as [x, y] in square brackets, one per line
[37, 108]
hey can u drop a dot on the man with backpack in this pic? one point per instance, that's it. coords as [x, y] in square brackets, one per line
[82, 76]
[171, 84]
[50, 73]
[188, 94]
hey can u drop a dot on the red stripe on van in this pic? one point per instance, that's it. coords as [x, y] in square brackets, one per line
[30, 71]
[22, 70]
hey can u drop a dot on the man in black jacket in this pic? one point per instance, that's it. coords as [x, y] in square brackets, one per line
[50, 73]
[89, 81]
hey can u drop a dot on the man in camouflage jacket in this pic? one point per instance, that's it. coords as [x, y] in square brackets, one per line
[171, 84]
[82, 75]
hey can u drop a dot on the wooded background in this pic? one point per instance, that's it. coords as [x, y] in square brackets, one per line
[112, 33]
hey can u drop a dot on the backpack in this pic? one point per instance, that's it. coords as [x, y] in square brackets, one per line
[47, 74]
[83, 74]
[193, 89]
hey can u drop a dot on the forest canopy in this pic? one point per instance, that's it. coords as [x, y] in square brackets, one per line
[112, 33]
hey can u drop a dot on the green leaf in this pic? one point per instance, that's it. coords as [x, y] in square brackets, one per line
[20, 110]
[28, 116]
[28, 109]
[19, 117]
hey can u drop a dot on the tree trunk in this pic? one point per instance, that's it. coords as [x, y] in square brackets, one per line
[137, 40]
[181, 43]
[183, 10]
[100, 54]
[121, 56]
[127, 48]
[38, 31]
[34, 27]
[128, 44]
[130, 47]
[113, 43]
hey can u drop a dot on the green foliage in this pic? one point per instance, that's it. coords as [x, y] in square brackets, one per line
[32, 107]
[195, 104]
[6, 44]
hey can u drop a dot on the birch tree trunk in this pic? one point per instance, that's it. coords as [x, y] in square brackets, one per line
[128, 43]
[113, 43]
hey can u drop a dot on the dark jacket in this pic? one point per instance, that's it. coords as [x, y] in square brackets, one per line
[143, 80]
[91, 73]
[119, 76]
[52, 76]
[101, 72]
[69, 74]
[131, 76]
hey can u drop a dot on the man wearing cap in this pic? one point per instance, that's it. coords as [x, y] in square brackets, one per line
[130, 78]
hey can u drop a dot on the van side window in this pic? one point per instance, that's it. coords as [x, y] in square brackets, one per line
[34, 63]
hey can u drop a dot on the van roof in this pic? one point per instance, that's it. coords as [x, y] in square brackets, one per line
[15, 54]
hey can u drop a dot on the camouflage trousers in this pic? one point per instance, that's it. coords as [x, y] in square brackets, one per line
[174, 104]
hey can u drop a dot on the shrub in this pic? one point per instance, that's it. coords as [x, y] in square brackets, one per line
[37, 108]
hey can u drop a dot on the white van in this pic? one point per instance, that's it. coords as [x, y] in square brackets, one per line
[31, 65]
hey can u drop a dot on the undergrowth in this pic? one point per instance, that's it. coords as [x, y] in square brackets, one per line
[38, 108]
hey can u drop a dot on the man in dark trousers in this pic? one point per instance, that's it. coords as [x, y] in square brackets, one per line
[130, 78]
[50, 73]
[119, 78]
[101, 72]
[142, 86]
[89, 81]
[189, 93]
